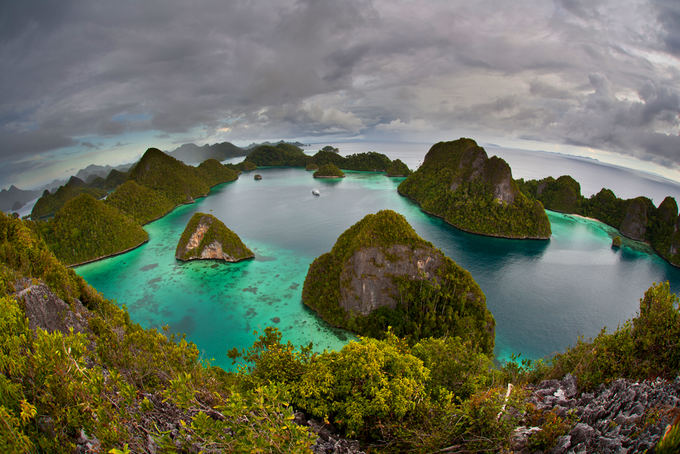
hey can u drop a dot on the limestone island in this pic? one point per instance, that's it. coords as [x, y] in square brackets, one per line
[258, 177]
[397, 168]
[461, 184]
[381, 274]
[207, 238]
[311, 166]
[329, 171]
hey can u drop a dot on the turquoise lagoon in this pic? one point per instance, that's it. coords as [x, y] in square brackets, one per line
[543, 294]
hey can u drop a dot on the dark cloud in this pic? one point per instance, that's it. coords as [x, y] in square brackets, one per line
[571, 71]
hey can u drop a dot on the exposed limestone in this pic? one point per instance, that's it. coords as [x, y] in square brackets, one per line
[46, 310]
[207, 238]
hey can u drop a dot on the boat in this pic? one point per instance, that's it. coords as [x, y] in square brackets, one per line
[316, 192]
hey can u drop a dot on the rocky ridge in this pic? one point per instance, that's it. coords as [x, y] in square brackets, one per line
[622, 417]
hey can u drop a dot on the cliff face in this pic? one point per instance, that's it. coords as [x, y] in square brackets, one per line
[380, 273]
[207, 238]
[634, 224]
[473, 192]
[369, 275]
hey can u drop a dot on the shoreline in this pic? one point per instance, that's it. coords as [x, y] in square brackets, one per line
[146, 223]
[109, 255]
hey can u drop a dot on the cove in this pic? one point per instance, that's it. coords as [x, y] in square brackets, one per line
[543, 294]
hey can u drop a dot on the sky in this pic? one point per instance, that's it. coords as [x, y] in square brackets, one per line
[100, 81]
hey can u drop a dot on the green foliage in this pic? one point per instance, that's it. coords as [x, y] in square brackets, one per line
[282, 154]
[85, 229]
[49, 204]
[474, 193]
[453, 305]
[398, 169]
[329, 171]
[178, 182]
[563, 194]
[216, 172]
[455, 366]
[616, 241]
[670, 443]
[243, 166]
[232, 245]
[23, 254]
[311, 166]
[370, 161]
[645, 347]
[139, 202]
[606, 207]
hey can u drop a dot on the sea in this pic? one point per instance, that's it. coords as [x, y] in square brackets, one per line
[544, 295]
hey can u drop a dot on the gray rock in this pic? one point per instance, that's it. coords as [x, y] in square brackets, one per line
[563, 443]
[44, 309]
[582, 433]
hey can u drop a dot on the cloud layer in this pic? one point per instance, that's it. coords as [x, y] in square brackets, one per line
[77, 74]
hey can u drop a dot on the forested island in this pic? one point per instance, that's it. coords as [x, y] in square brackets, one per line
[82, 228]
[78, 374]
[380, 274]
[207, 238]
[635, 218]
[461, 184]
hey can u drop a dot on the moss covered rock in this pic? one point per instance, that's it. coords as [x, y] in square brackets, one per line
[215, 172]
[380, 273]
[329, 171]
[207, 238]
[461, 184]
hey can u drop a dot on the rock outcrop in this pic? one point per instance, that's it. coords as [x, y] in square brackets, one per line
[624, 416]
[634, 224]
[207, 238]
[380, 273]
[45, 310]
[461, 184]
[329, 171]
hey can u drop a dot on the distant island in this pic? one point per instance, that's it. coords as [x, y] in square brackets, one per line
[191, 153]
[461, 184]
[79, 228]
[207, 238]
[329, 171]
[381, 274]
[636, 218]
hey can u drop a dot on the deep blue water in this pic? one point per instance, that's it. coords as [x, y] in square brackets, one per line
[543, 294]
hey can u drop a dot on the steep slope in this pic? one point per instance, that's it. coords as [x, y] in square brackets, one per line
[141, 203]
[329, 171]
[178, 182]
[85, 229]
[192, 153]
[458, 182]
[207, 238]
[216, 172]
[49, 203]
[380, 273]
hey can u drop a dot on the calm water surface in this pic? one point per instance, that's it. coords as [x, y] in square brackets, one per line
[543, 294]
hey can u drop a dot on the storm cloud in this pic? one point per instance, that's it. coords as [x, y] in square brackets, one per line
[591, 73]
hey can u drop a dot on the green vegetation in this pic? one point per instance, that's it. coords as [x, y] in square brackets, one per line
[244, 166]
[216, 172]
[133, 389]
[563, 194]
[178, 182]
[329, 171]
[311, 166]
[636, 218]
[642, 348]
[139, 202]
[445, 302]
[282, 154]
[49, 204]
[459, 183]
[118, 383]
[208, 231]
[616, 242]
[86, 228]
[398, 169]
